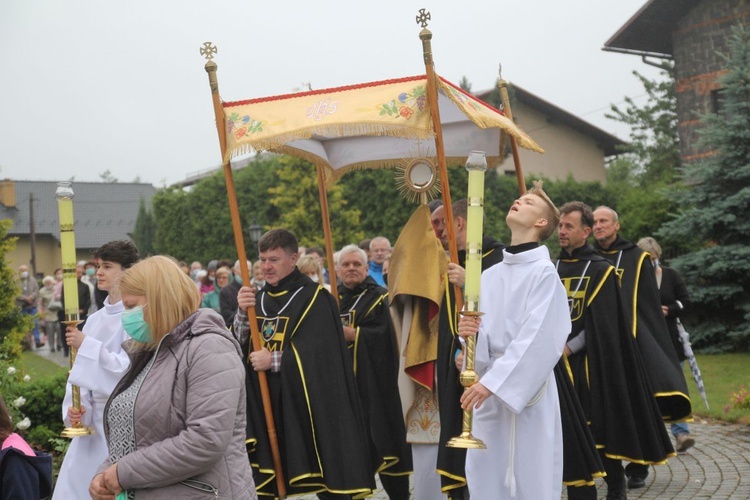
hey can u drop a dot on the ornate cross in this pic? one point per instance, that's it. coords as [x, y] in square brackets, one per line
[423, 17]
[208, 50]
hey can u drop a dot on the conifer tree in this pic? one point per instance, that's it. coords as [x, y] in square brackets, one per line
[13, 325]
[144, 230]
[715, 213]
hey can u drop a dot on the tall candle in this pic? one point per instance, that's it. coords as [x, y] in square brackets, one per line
[476, 164]
[64, 196]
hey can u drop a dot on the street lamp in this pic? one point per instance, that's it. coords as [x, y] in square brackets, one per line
[256, 231]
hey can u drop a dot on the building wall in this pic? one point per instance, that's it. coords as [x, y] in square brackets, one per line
[566, 151]
[701, 33]
[48, 255]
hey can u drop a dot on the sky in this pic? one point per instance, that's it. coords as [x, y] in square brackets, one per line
[88, 86]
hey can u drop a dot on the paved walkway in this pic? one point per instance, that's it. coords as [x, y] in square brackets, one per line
[717, 468]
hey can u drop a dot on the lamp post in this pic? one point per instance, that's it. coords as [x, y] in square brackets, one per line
[256, 231]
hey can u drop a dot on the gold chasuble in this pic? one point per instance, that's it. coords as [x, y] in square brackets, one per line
[417, 285]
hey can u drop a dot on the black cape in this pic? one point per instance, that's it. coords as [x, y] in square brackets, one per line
[643, 306]
[581, 461]
[321, 430]
[451, 462]
[608, 374]
[376, 361]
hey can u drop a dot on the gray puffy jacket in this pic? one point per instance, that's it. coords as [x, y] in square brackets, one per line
[189, 416]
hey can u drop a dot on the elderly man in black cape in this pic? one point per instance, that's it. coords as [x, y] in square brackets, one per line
[604, 360]
[322, 433]
[643, 306]
[369, 331]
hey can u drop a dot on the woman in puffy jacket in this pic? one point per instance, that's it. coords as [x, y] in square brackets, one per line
[175, 424]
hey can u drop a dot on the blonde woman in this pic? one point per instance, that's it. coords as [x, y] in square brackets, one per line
[310, 267]
[175, 424]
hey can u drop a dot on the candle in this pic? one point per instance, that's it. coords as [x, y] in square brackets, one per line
[64, 196]
[476, 164]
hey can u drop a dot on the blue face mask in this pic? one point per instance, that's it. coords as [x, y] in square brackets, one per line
[135, 324]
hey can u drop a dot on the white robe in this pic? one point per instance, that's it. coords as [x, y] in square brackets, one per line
[99, 365]
[521, 338]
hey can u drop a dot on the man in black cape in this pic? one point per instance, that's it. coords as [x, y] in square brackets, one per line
[322, 434]
[369, 331]
[604, 361]
[451, 461]
[643, 306]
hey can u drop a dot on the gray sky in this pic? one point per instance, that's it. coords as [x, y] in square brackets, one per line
[93, 85]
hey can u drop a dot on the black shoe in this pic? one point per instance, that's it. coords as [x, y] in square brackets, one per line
[617, 495]
[636, 482]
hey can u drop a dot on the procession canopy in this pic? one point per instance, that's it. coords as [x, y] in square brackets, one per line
[370, 125]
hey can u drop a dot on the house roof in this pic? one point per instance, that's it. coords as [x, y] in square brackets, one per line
[606, 141]
[103, 211]
[649, 31]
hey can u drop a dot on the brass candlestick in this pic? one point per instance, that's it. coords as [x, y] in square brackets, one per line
[64, 195]
[476, 164]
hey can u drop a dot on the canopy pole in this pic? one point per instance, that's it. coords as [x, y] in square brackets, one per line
[432, 99]
[208, 50]
[502, 85]
[323, 194]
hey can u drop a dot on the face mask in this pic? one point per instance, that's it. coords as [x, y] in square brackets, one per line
[238, 278]
[314, 277]
[24, 274]
[59, 277]
[90, 271]
[655, 262]
[135, 325]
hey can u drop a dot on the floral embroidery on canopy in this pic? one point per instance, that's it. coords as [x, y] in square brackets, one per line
[403, 106]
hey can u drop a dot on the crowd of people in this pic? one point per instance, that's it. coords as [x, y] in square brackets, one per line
[197, 384]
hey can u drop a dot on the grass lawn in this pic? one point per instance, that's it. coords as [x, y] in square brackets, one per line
[722, 375]
[38, 366]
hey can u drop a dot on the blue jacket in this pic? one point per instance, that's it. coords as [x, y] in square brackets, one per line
[376, 272]
[23, 477]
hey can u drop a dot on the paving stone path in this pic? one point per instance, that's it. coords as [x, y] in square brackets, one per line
[717, 468]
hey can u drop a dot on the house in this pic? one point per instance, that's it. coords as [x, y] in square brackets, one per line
[691, 33]
[572, 146]
[103, 212]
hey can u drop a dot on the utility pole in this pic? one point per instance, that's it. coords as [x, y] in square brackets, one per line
[32, 234]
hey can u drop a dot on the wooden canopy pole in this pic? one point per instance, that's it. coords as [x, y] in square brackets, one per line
[327, 232]
[502, 85]
[208, 50]
[432, 99]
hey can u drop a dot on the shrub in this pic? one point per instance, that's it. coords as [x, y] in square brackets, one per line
[740, 399]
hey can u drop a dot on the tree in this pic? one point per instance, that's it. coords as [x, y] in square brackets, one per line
[641, 179]
[197, 225]
[107, 176]
[654, 143]
[297, 200]
[714, 212]
[144, 231]
[13, 325]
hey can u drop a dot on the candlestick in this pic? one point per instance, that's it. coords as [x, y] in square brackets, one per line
[476, 164]
[64, 195]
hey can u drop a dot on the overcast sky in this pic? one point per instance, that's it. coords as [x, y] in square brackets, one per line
[93, 85]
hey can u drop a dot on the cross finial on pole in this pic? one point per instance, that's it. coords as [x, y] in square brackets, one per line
[208, 50]
[423, 17]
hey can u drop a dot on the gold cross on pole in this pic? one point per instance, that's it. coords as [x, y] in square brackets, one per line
[423, 17]
[208, 50]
